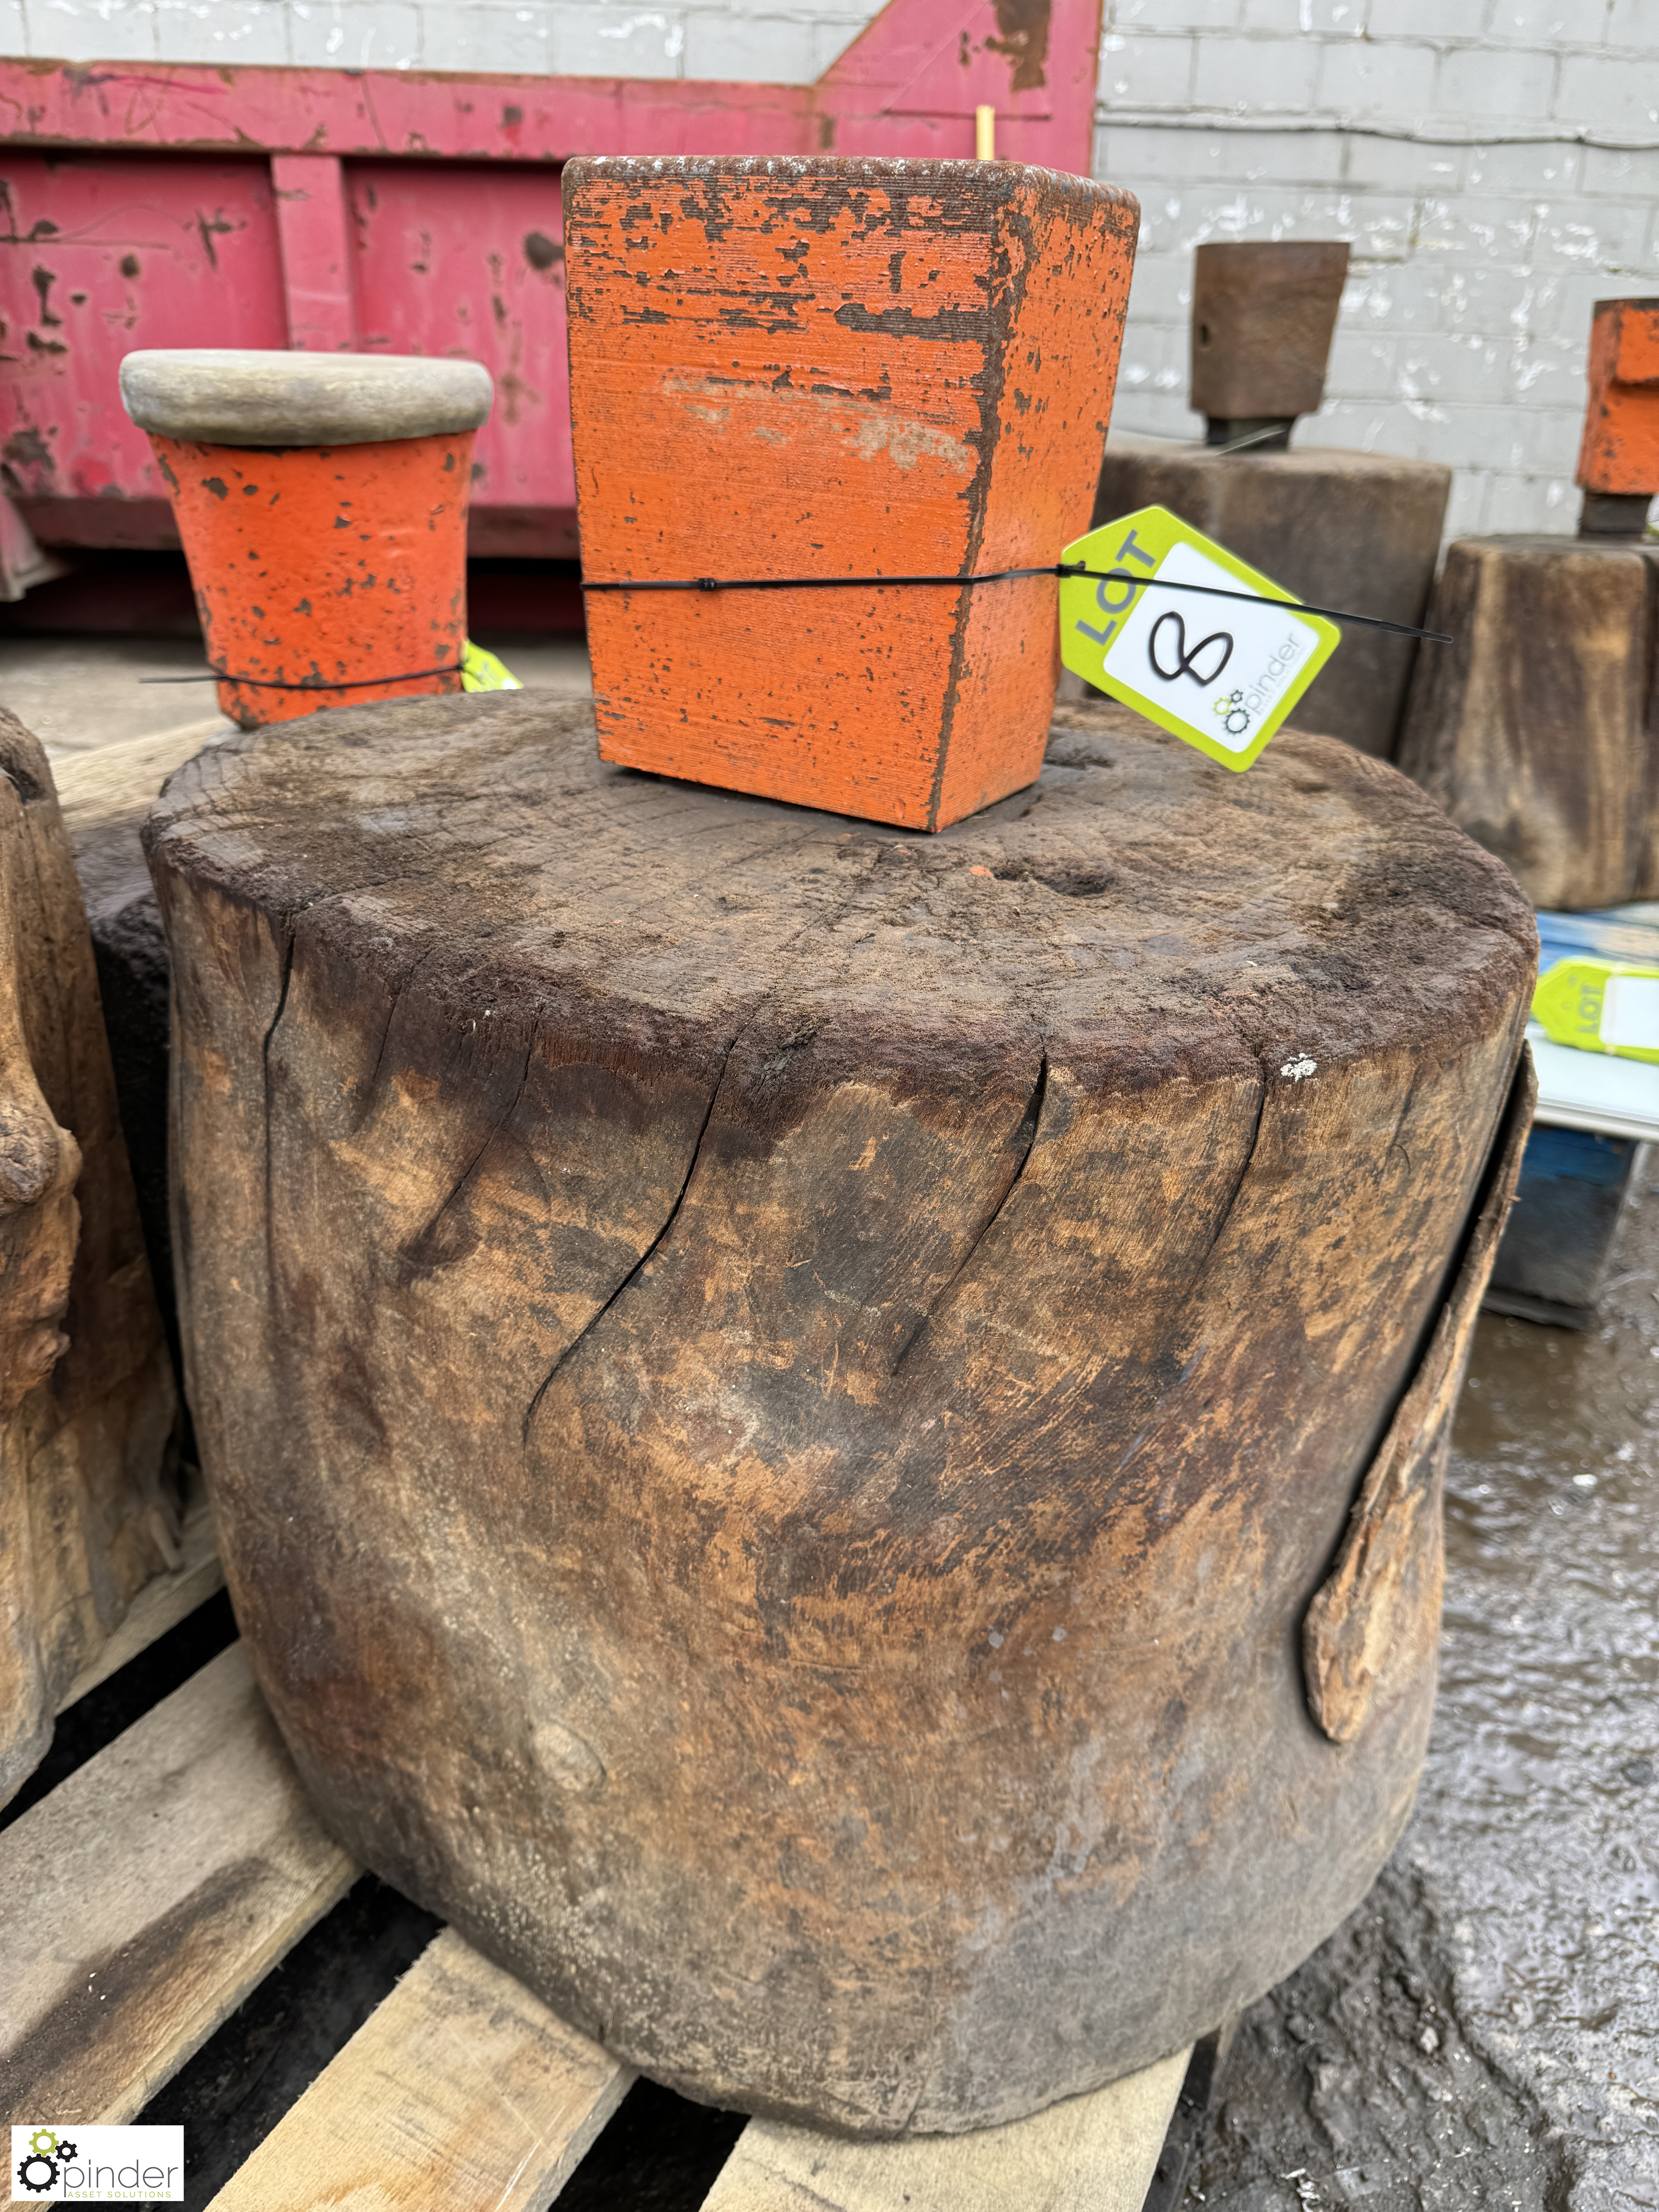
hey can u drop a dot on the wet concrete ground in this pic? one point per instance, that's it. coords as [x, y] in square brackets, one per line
[1485, 2031]
[77, 694]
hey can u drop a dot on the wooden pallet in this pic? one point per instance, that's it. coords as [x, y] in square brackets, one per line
[153, 1889]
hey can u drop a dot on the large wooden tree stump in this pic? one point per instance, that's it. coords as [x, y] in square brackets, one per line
[1535, 729]
[87, 1496]
[778, 1393]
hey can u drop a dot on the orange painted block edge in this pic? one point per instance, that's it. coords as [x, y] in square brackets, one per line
[814, 367]
[1620, 449]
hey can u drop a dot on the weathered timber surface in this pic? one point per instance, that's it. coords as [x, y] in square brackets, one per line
[1352, 530]
[1536, 729]
[104, 797]
[1382, 1599]
[148, 1895]
[88, 1509]
[777, 1392]
[1094, 2153]
[460, 2090]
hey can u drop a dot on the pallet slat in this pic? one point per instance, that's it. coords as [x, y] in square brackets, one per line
[148, 1895]
[461, 2089]
[1094, 2153]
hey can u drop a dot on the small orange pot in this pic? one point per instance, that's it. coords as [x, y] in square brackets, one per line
[325, 578]
[822, 368]
[329, 562]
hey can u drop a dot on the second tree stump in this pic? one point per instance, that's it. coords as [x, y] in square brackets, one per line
[780, 1395]
[1535, 729]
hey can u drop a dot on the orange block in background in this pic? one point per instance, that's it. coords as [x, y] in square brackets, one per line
[1621, 452]
[311, 565]
[837, 367]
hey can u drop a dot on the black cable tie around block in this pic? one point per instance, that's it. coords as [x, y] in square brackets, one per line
[997, 576]
[308, 683]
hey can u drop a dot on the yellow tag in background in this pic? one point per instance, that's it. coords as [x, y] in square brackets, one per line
[1221, 673]
[1599, 1005]
[482, 672]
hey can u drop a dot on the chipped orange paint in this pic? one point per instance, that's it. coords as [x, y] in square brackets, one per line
[837, 367]
[1621, 452]
[318, 572]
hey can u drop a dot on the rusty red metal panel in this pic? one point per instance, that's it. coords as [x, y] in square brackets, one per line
[422, 114]
[911, 82]
[414, 212]
[103, 255]
[469, 260]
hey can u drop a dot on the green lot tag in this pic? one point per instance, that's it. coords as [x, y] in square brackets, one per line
[482, 672]
[1601, 1005]
[1222, 673]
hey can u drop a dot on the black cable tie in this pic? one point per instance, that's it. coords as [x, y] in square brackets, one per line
[306, 683]
[997, 576]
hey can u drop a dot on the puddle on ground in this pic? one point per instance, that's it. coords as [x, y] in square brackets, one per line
[1486, 2030]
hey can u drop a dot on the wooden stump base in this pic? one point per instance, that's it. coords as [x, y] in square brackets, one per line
[778, 1392]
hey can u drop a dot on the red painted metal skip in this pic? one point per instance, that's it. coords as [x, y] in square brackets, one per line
[409, 213]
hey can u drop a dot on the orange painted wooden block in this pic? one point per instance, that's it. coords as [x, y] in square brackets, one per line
[821, 368]
[1621, 452]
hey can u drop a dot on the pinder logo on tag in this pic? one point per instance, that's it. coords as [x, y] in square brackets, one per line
[1220, 672]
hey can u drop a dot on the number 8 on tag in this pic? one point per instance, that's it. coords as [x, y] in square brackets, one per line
[1223, 673]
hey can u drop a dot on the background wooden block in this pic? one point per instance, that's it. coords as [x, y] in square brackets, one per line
[1263, 315]
[104, 797]
[1619, 455]
[1535, 729]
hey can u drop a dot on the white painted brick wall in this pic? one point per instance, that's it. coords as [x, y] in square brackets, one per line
[777, 41]
[1475, 262]
[1384, 122]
